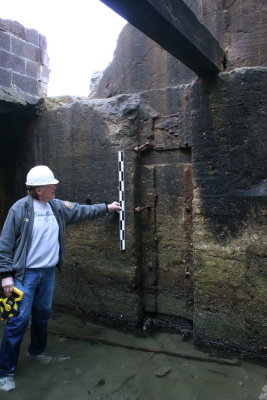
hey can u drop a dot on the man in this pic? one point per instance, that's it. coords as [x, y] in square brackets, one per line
[31, 245]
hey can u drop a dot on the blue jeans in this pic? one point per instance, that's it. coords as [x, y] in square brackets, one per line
[38, 287]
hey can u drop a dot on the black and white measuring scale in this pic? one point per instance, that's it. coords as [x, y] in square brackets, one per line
[122, 199]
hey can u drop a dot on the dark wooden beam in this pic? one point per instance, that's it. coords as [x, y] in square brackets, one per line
[172, 25]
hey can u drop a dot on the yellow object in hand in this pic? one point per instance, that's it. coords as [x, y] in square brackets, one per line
[9, 305]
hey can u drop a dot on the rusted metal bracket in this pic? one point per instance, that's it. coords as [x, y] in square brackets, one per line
[144, 147]
[139, 208]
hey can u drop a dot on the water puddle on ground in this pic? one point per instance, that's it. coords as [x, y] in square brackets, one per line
[118, 368]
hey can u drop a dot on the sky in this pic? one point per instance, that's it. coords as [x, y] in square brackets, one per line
[81, 38]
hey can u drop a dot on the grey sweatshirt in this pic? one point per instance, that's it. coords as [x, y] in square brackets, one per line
[15, 239]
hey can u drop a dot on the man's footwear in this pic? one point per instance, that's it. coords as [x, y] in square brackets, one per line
[44, 358]
[7, 383]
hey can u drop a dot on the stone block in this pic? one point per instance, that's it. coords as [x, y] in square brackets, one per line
[221, 173]
[93, 300]
[17, 64]
[173, 304]
[5, 41]
[247, 33]
[169, 180]
[168, 232]
[44, 59]
[173, 131]
[27, 85]
[44, 74]
[26, 50]
[4, 59]
[5, 78]
[227, 328]
[233, 329]
[32, 36]
[42, 42]
[13, 27]
[171, 260]
[32, 69]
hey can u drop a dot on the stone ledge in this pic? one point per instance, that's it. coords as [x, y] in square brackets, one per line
[17, 97]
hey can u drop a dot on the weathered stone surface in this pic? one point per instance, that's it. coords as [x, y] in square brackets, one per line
[84, 135]
[5, 41]
[24, 49]
[80, 142]
[195, 163]
[5, 77]
[145, 65]
[12, 27]
[247, 32]
[240, 28]
[162, 182]
[225, 117]
[229, 216]
[176, 29]
[94, 82]
[32, 36]
[10, 98]
[234, 109]
[32, 69]
[23, 62]
[24, 83]
[198, 252]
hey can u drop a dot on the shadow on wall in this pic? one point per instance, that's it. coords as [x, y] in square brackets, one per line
[230, 147]
[15, 158]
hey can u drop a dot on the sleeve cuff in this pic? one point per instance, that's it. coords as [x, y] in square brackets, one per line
[7, 274]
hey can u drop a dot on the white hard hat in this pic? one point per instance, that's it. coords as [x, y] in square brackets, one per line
[40, 175]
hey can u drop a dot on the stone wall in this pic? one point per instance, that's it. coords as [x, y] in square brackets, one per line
[197, 253]
[229, 209]
[23, 80]
[195, 159]
[208, 260]
[23, 63]
[240, 27]
[140, 64]
[80, 140]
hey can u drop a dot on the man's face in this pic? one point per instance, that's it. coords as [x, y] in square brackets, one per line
[46, 192]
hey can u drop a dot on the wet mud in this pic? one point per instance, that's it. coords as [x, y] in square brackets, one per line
[87, 369]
